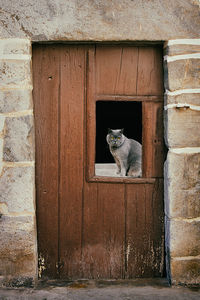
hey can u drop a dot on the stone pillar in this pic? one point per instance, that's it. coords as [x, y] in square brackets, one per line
[182, 167]
[18, 242]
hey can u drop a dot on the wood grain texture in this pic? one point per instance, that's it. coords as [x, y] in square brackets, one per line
[144, 230]
[46, 95]
[150, 71]
[116, 70]
[127, 70]
[127, 180]
[92, 227]
[152, 139]
[71, 159]
[142, 98]
[104, 224]
[90, 113]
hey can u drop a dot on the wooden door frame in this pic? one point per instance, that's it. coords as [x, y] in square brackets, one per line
[147, 121]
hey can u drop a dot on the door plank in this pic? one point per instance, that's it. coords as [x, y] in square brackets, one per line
[152, 139]
[150, 71]
[71, 159]
[90, 231]
[116, 70]
[90, 114]
[145, 230]
[104, 231]
[45, 93]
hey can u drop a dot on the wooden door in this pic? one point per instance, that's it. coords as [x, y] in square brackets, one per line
[95, 226]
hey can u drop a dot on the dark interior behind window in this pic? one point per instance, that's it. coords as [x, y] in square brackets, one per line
[116, 115]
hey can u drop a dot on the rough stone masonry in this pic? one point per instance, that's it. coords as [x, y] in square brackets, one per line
[177, 23]
[182, 168]
[18, 243]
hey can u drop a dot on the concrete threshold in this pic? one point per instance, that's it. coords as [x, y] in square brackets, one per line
[135, 289]
[100, 283]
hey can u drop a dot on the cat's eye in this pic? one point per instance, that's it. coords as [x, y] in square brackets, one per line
[118, 138]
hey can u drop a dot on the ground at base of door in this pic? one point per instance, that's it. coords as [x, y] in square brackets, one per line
[102, 290]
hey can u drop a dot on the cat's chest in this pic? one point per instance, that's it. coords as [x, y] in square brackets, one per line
[119, 153]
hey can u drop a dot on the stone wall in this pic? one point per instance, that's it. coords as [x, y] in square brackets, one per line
[99, 20]
[182, 168]
[17, 197]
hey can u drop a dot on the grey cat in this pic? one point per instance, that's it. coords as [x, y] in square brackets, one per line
[127, 153]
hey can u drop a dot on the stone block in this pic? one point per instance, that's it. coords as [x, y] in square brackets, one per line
[2, 122]
[181, 49]
[185, 271]
[100, 20]
[1, 150]
[15, 46]
[182, 74]
[17, 246]
[1, 155]
[17, 189]
[193, 99]
[15, 100]
[182, 127]
[19, 139]
[24, 265]
[183, 237]
[182, 185]
[15, 72]
[3, 209]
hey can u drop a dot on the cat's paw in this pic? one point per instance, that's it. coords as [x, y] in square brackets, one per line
[135, 174]
[119, 174]
[122, 174]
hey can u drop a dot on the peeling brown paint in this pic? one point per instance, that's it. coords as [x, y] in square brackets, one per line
[41, 265]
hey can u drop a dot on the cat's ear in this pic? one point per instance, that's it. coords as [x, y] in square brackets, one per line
[122, 130]
[109, 130]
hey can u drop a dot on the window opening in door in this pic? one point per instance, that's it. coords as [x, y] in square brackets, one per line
[126, 115]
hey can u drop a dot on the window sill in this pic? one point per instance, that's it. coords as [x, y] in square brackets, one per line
[108, 179]
[107, 173]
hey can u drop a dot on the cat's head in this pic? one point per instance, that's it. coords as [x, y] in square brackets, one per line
[115, 137]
